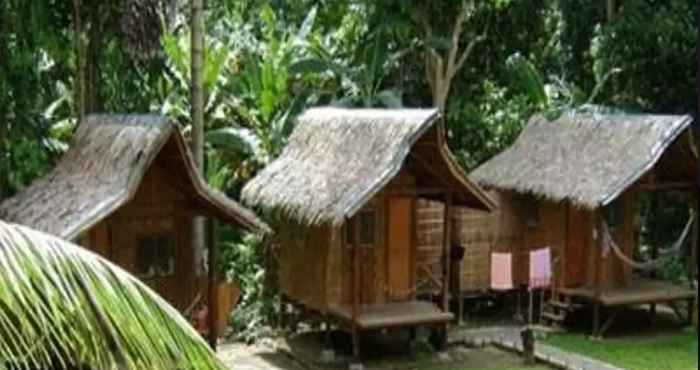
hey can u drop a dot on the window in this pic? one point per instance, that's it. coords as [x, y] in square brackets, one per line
[155, 256]
[367, 224]
[350, 232]
[613, 215]
[531, 212]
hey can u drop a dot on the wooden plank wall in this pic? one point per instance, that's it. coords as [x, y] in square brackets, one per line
[158, 207]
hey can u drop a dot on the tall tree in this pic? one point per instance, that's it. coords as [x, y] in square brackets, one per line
[442, 66]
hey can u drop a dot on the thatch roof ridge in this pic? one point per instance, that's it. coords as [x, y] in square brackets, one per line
[102, 171]
[588, 159]
[336, 160]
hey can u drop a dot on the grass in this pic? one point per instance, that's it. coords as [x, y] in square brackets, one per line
[670, 351]
[512, 368]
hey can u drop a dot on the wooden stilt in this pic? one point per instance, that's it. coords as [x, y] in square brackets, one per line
[542, 298]
[608, 323]
[460, 307]
[327, 328]
[355, 343]
[691, 310]
[596, 320]
[282, 322]
[652, 312]
[530, 307]
[519, 305]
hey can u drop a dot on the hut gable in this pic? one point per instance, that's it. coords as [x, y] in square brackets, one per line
[338, 159]
[588, 159]
[102, 171]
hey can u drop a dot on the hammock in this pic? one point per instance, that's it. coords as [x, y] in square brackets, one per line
[656, 264]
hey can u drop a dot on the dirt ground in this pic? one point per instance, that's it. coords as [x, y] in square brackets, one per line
[381, 352]
[259, 357]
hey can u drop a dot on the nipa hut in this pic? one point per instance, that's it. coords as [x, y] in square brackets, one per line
[345, 192]
[574, 184]
[128, 189]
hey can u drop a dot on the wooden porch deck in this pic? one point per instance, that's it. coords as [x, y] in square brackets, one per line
[392, 315]
[640, 291]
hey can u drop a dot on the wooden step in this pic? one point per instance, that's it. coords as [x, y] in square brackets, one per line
[564, 306]
[554, 317]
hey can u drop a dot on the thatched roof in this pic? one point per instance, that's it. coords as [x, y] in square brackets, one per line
[587, 159]
[102, 171]
[338, 159]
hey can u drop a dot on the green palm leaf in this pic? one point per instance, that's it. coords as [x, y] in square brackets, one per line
[62, 307]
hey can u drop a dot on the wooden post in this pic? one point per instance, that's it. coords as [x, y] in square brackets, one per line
[693, 248]
[598, 268]
[355, 289]
[528, 338]
[447, 241]
[213, 296]
[596, 319]
[693, 259]
[654, 249]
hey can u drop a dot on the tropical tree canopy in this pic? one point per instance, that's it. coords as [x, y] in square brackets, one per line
[63, 307]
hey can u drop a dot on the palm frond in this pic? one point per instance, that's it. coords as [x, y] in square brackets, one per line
[62, 307]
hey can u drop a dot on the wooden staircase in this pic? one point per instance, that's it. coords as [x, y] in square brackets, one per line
[556, 309]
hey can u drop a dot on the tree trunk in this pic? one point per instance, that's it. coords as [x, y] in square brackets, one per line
[610, 7]
[79, 88]
[197, 112]
[93, 49]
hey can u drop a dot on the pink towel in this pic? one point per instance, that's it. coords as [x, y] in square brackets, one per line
[540, 268]
[501, 271]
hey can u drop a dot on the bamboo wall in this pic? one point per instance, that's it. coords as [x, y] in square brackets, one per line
[474, 231]
[316, 264]
[506, 230]
[303, 262]
[430, 228]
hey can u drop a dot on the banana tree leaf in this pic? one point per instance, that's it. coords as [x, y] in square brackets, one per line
[64, 307]
[390, 99]
[238, 141]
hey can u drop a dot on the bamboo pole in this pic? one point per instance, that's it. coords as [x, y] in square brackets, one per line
[197, 117]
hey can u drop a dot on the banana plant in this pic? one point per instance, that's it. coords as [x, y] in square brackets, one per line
[64, 307]
[557, 95]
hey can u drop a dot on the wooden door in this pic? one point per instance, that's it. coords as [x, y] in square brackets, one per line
[399, 249]
[365, 250]
[578, 240]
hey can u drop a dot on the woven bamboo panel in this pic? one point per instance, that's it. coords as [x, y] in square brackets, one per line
[429, 221]
[475, 233]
